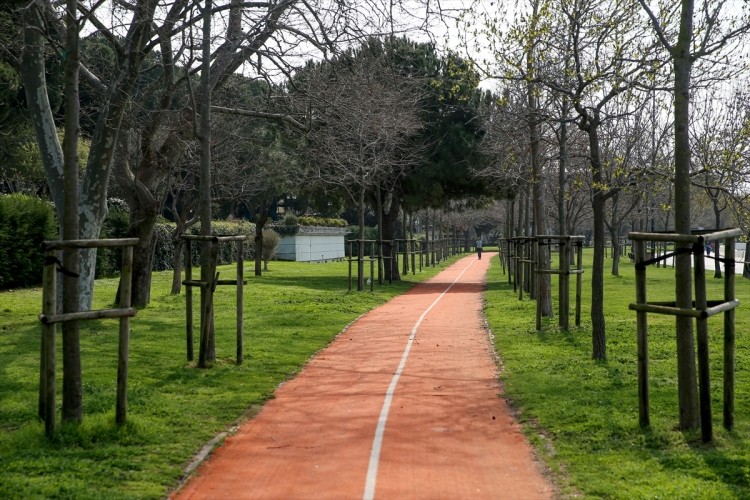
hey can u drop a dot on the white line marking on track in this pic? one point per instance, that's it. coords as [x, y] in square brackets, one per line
[377, 443]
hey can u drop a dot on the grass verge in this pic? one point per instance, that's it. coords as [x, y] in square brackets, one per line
[290, 313]
[582, 415]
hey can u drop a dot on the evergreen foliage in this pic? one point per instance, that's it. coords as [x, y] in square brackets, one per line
[164, 253]
[25, 222]
[109, 260]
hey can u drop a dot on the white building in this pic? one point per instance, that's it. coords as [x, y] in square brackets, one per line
[313, 244]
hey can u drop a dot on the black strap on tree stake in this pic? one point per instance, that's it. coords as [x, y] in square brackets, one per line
[642, 265]
[49, 260]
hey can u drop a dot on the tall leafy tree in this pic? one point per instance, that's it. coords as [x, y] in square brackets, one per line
[367, 122]
[687, 41]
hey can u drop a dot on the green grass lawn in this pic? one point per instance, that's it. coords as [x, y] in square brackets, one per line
[583, 415]
[174, 409]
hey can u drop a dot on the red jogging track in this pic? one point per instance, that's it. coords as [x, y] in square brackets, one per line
[404, 404]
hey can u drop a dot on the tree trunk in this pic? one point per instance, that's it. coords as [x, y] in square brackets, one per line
[717, 245]
[527, 221]
[615, 236]
[390, 221]
[32, 72]
[380, 245]
[207, 352]
[543, 288]
[406, 242]
[598, 327]
[72, 406]
[562, 176]
[686, 366]
[361, 242]
[179, 250]
[260, 223]
[144, 253]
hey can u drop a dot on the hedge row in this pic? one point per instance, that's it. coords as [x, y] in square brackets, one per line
[27, 221]
[289, 225]
[321, 221]
[24, 223]
[164, 253]
[108, 261]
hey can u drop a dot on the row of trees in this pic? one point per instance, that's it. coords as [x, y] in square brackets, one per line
[581, 117]
[175, 105]
[607, 86]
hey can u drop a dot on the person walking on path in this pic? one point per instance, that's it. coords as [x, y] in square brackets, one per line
[403, 404]
[479, 248]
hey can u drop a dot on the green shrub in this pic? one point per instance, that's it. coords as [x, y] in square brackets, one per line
[271, 240]
[227, 251]
[109, 260]
[352, 233]
[25, 222]
[164, 252]
[322, 221]
[289, 226]
[290, 220]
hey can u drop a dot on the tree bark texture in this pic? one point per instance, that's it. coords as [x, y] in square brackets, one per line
[260, 223]
[686, 366]
[598, 326]
[207, 352]
[72, 405]
[390, 221]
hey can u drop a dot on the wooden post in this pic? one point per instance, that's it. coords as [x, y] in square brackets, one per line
[509, 257]
[372, 265]
[126, 286]
[533, 265]
[381, 259]
[513, 266]
[701, 304]
[639, 248]
[392, 261]
[729, 335]
[413, 246]
[350, 265]
[521, 268]
[48, 359]
[205, 352]
[564, 285]
[421, 255]
[189, 300]
[537, 277]
[579, 282]
[240, 299]
[405, 250]
[503, 256]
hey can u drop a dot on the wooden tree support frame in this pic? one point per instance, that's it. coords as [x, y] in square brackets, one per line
[407, 248]
[371, 258]
[521, 263]
[508, 257]
[565, 244]
[701, 311]
[209, 288]
[501, 255]
[49, 319]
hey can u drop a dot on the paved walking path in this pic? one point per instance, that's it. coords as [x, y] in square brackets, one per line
[402, 405]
